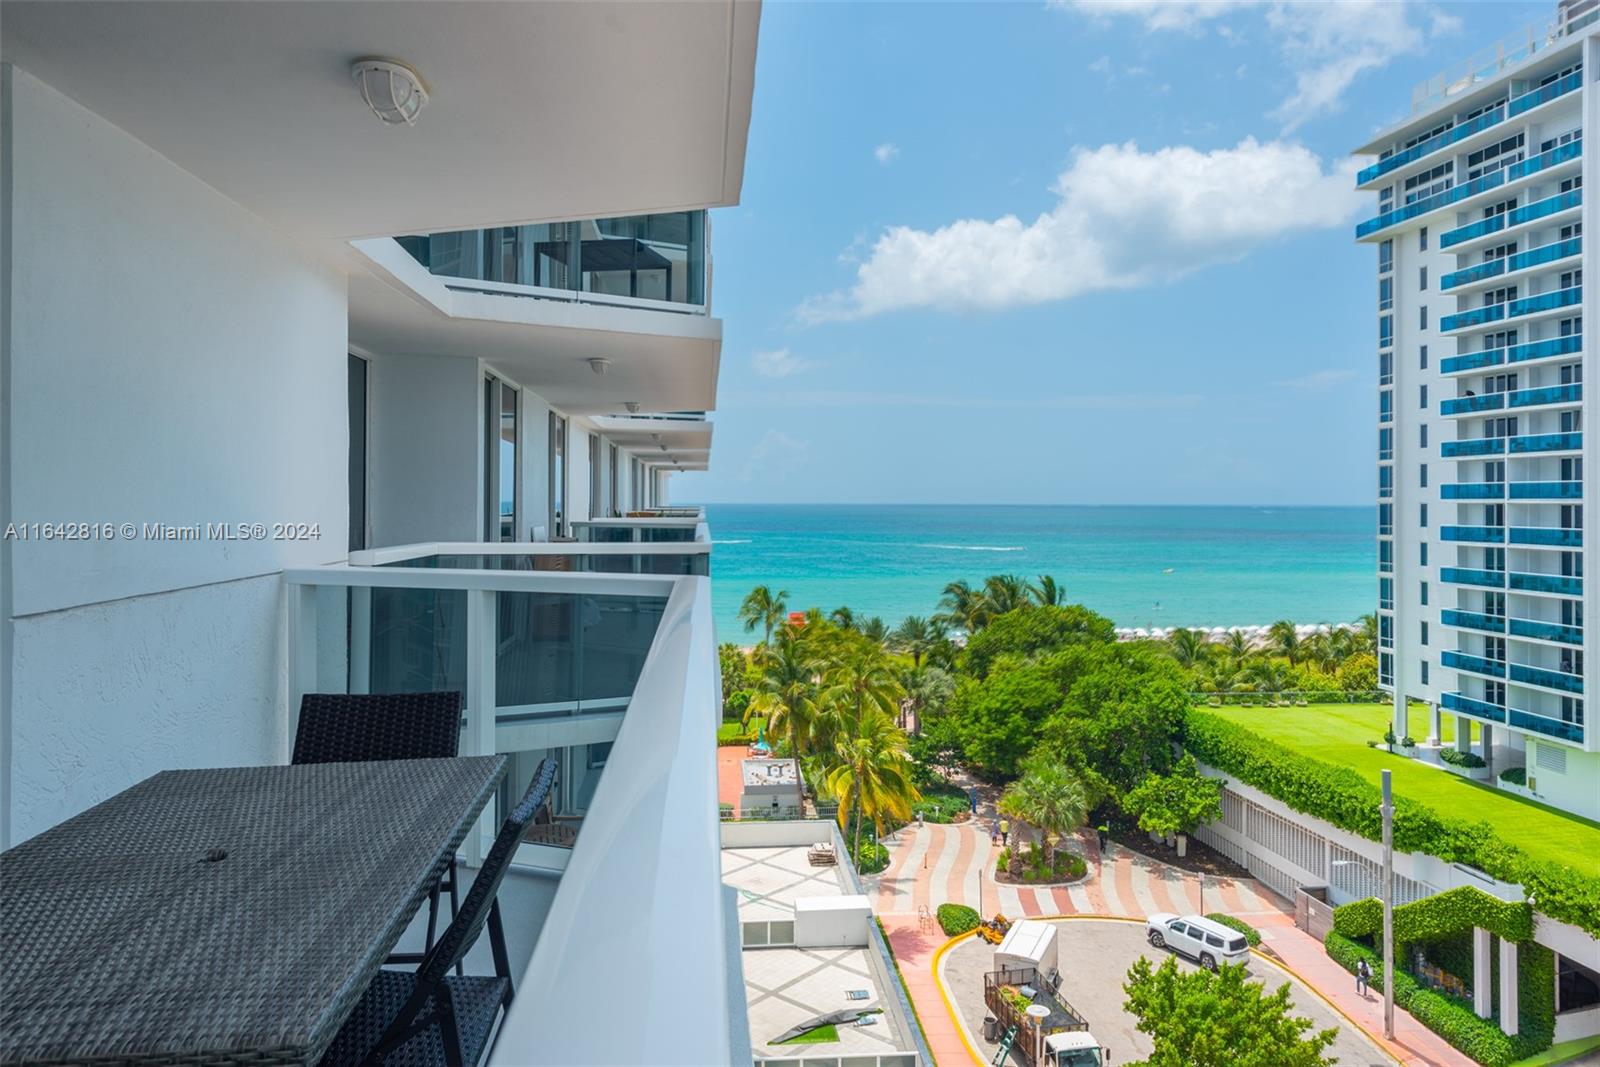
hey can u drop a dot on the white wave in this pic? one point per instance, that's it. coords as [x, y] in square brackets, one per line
[732, 541]
[978, 548]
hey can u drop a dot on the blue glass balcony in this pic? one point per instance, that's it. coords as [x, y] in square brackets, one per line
[1567, 683]
[1546, 490]
[1473, 490]
[1476, 708]
[1533, 257]
[1550, 205]
[1547, 535]
[1532, 165]
[1461, 661]
[1464, 405]
[1483, 535]
[1492, 117]
[1471, 620]
[1546, 631]
[1547, 442]
[1481, 446]
[1473, 317]
[1570, 393]
[1547, 583]
[1569, 731]
[1555, 346]
[1542, 95]
[1560, 298]
[1492, 357]
[1465, 576]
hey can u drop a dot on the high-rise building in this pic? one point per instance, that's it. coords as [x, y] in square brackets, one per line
[1483, 433]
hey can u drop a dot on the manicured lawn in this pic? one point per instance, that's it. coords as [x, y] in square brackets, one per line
[1565, 1052]
[1338, 733]
[821, 1035]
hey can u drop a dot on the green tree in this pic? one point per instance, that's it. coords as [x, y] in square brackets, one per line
[1189, 647]
[1359, 673]
[1206, 1019]
[999, 718]
[874, 629]
[1236, 646]
[859, 680]
[1005, 592]
[762, 607]
[1284, 639]
[843, 617]
[1267, 675]
[1046, 593]
[1123, 707]
[1030, 631]
[732, 663]
[1051, 800]
[871, 776]
[1367, 639]
[963, 607]
[914, 637]
[786, 691]
[1176, 803]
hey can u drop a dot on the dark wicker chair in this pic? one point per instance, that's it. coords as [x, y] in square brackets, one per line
[428, 1018]
[357, 727]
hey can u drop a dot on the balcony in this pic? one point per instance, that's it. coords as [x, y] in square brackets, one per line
[1546, 490]
[1478, 316]
[1461, 661]
[1550, 205]
[1477, 708]
[1541, 676]
[1483, 535]
[1517, 171]
[1469, 620]
[643, 260]
[1546, 631]
[1546, 535]
[1533, 257]
[644, 529]
[656, 558]
[1562, 584]
[1571, 393]
[1473, 490]
[1465, 576]
[1467, 405]
[1480, 446]
[1547, 442]
[1554, 346]
[1489, 357]
[1542, 724]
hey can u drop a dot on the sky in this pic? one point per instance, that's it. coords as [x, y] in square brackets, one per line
[1069, 252]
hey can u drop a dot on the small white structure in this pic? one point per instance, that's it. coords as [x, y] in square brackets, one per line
[1029, 943]
[832, 922]
[771, 787]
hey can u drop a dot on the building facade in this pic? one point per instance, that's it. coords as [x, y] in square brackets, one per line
[1483, 432]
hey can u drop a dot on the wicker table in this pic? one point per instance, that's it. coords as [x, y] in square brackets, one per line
[222, 916]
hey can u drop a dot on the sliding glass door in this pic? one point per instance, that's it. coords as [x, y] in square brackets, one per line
[502, 460]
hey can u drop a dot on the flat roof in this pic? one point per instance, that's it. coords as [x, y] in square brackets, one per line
[771, 772]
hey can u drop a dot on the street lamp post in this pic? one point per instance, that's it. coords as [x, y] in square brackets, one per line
[1388, 908]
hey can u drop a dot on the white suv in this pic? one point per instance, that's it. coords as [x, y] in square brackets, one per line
[1197, 937]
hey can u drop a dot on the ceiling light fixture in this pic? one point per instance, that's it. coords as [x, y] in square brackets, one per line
[392, 90]
[632, 406]
[599, 364]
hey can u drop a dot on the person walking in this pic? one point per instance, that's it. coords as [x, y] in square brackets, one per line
[1363, 976]
[1102, 831]
[1005, 831]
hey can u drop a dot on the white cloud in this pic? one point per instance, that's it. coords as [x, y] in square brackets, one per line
[778, 363]
[1124, 218]
[1101, 66]
[886, 152]
[1187, 15]
[843, 398]
[1322, 379]
[774, 458]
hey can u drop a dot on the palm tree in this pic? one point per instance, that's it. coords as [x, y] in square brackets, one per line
[762, 607]
[1221, 676]
[962, 606]
[1005, 592]
[1236, 646]
[872, 775]
[843, 617]
[874, 630]
[1017, 803]
[1284, 639]
[860, 682]
[913, 637]
[1268, 675]
[786, 693]
[1369, 634]
[1047, 593]
[1188, 647]
[1060, 807]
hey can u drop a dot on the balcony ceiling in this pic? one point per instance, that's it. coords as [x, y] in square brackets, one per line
[538, 111]
[645, 437]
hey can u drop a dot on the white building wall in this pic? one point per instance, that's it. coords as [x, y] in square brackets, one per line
[170, 359]
[425, 456]
[578, 471]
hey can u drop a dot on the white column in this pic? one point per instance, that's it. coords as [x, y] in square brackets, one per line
[1508, 986]
[1435, 724]
[1401, 709]
[1482, 994]
[480, 710]
[1487, 733]
[1463, 734]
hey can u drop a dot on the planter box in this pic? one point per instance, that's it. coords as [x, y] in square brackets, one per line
[1477, 774]
[1518, 790]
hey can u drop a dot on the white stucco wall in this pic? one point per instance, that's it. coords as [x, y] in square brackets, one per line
[425, 461]
[1577, 790]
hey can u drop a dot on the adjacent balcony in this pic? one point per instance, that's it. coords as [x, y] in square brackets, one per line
[1461, 661]
[1468, 405]
[656, 261]
[1570, 393]
[1471, 706]
[1482, 535]
[1546, 490]
[1547, 442]
[1546, 631]
[1471, 620]
[644, 529]
[1533, 257]
[1493, 357]
[1543, 724]
[1530, 305]
[1562, 584]
[1517, 171]
[1467, 576]
[1481, 446]
[1473, 490]
[1547, 535]
[1539, 209]
[1548, 679]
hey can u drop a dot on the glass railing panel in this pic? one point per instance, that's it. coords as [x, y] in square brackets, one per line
[1461, 661]
[1543, 724]
[1532, 165]
[1533, 257]
[1472, 361]
[1473, 317]
[1481, 228]
[1547, 583]
[1547, 442]
[1543, 95]
[1544, 302]
[1471, 620]
[1481, 446]
[563, 652]
[1546, 631]
[418, 640]
[1545, 160]
[1570, 393]
[1473, 490]
[1546, 490]
[1493, 268]
[671, 564]
[1478, 708]
[1546, 535]
[1550, 205]
[1567, 683]
[1463, 405]
[1555, 346]
[1467, 576]
[1491, 535]
[1492, 117]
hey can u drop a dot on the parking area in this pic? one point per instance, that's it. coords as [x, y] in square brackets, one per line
[1095, 955]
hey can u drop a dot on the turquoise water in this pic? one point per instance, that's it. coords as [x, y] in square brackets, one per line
[1141, 566]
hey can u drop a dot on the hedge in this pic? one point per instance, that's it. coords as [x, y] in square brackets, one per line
[956, 919]
[1251, 934]
[1438, 916]
[1346, 799]
[1457, 758]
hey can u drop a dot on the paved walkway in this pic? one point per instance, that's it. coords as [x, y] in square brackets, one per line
[730, 774]
[931, 865]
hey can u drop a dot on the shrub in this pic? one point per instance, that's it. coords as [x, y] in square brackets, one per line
[1251, 934]
[942, 803]
[871, 858]
[956, 919]
[1515, 775]
[734, 733]
[1069, 866]
[1457, 758]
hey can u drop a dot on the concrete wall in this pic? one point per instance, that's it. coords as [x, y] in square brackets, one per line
[169, 359]
[1577, 789]
[425, 458]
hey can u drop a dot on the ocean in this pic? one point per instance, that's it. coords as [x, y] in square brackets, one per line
[1140, 566]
